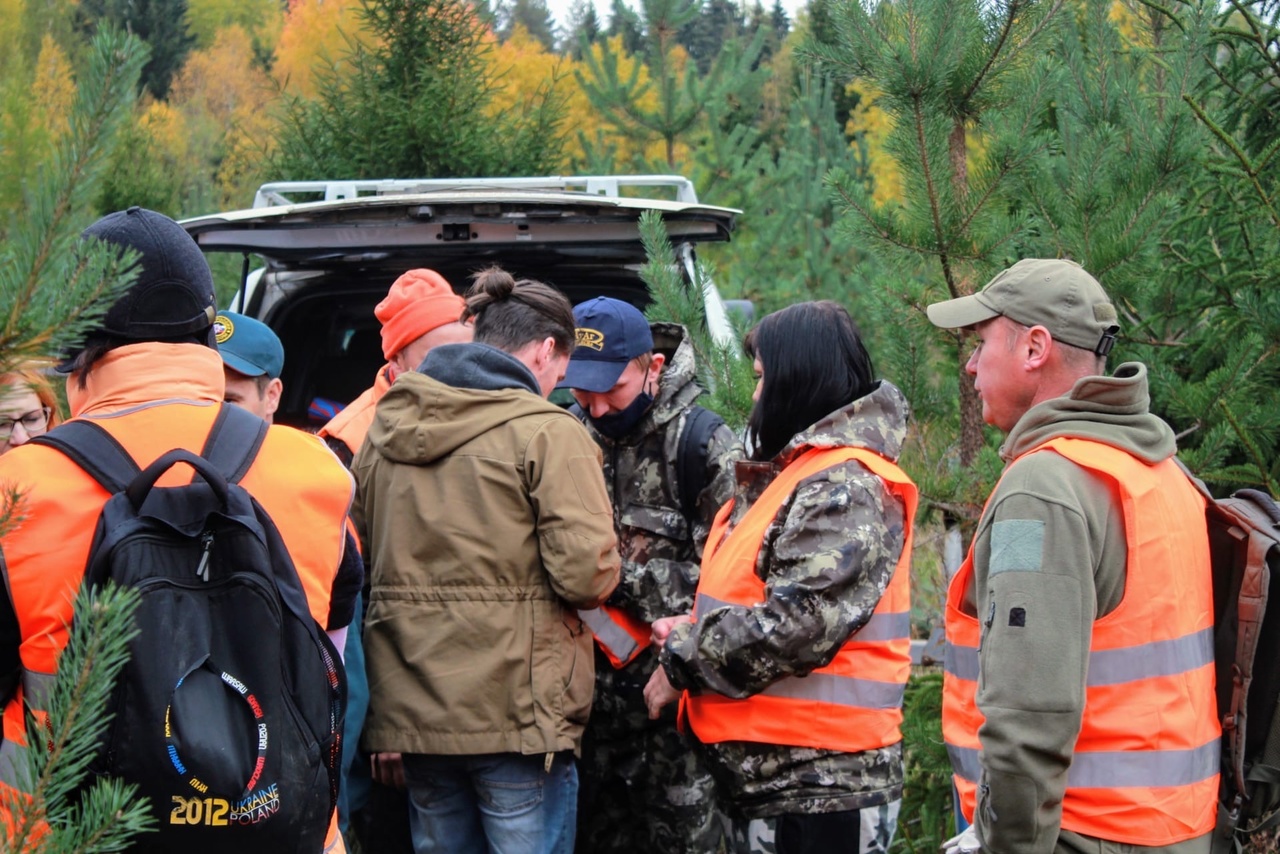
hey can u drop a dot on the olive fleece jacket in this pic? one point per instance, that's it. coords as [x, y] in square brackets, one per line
[1032, 684]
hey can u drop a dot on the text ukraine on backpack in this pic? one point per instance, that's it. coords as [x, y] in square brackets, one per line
[1244, 547]
[228, 715]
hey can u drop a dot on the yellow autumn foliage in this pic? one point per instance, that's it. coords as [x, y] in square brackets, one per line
[226, 99]
[314, 31]
[166, 127]
[871, 126]
[261, 19]
[11, 13]
[54, 88]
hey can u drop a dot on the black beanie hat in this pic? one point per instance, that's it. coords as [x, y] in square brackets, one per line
[173, 295]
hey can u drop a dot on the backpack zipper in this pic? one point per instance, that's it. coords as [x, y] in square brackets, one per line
[206, 544]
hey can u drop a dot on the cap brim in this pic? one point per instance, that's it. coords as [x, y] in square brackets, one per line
[960, 312]
[240, 366]
[592, 375]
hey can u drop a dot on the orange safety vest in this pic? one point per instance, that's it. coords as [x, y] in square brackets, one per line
[620, 636]
[852, 704]
[294, 477]
[1145, 765]
[351, 425]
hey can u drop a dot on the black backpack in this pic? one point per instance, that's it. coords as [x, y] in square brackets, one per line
[1244, 547]
[228, 717]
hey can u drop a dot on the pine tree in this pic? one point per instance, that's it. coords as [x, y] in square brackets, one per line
[722, 369]
[626, 23]
[716, 22]
[584, 28]
[52, 287]
[685, 99]
[54, 806]
[1021, 129]
[414, 103]
[1215, 339]
[785, 246]
[162, 24]
[533, 15]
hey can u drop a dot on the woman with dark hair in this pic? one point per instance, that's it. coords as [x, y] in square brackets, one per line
[795, 660]
[487, 524]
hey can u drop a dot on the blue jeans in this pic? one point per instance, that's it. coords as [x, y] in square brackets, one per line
[494, 803]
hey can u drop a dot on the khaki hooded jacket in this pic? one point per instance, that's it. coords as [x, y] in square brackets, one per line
[486, 524]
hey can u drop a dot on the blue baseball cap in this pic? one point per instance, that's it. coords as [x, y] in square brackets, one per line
[610, 333]
[248, 346]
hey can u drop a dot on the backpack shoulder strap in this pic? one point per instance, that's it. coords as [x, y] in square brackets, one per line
[95, 450]
[233, 441]
[691, 458]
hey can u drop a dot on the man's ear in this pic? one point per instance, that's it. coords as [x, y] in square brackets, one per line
[274, 389]
[656, 363]
[546, 350]
[1039, 344]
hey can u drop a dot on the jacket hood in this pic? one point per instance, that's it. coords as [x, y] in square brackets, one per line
[876, 421]
[677, 386]
[1113, 410]
[466, 390]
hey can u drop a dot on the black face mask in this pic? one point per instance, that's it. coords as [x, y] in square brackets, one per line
[616, 425]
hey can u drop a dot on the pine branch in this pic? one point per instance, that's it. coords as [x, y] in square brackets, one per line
[1240, 155]
[61, 746]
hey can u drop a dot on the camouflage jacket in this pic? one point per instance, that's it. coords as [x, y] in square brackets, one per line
[661, 549]
[826, 560]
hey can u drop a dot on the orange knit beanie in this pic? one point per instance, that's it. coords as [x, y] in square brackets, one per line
[419, 301]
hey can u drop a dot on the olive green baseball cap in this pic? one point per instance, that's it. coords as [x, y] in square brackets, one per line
[1056, 294]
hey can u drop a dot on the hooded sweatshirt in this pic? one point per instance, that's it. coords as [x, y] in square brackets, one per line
[1032, 693]
[486, 524]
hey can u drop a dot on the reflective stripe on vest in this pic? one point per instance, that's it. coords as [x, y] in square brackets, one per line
[620, 636]
[1114, 666]
[13, 758]
[854, 703]
[1119, 768]
[1157, 785]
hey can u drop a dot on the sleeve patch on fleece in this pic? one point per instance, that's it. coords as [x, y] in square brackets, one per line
[1017, 544]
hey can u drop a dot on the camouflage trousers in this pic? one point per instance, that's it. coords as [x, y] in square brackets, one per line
[818, 833]
[647, 790]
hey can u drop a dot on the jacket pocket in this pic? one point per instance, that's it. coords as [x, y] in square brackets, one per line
[662, 522]
[578, 668]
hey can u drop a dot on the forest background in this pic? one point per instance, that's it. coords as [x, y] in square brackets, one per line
[884, 155]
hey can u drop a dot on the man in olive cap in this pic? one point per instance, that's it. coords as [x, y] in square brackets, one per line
[1078, 707]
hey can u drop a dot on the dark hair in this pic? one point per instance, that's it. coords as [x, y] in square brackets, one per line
[814, 363]
[96, 348]
[509, 313]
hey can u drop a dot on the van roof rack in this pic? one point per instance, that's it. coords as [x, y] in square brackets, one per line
[281, 192]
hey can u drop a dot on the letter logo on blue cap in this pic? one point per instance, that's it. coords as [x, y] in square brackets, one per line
[590, 338]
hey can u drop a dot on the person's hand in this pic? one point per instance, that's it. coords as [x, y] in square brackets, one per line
[659, 692]
[663, 626]
[965, 842]
[387, 769]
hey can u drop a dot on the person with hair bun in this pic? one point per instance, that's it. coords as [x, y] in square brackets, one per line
[795, 661]
[28, 406]
[487, 524]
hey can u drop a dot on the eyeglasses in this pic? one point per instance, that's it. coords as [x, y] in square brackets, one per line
[33, 423]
